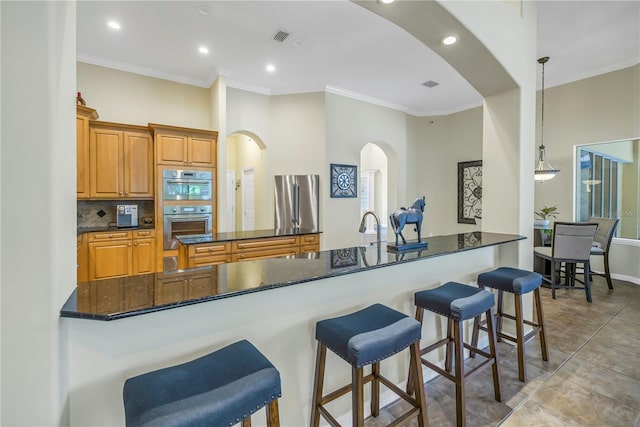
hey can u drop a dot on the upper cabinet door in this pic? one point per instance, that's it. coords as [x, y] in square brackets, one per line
[202, 152]
[82, 157]
[138, 165]
[171, 149]
[83, 115]
[106, 160]
[185, 147]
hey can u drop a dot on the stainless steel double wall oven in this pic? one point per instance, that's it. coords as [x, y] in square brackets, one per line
[180, 219]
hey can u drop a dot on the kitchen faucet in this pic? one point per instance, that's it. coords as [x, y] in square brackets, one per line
[363, 224]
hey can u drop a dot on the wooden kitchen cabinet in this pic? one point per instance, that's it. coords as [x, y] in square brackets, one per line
[121, 253]
[192, 256]
[110, 255]
[309, 243]
[82, 253]
[213, 253]
[83, 116]
[121, 161]
[177, 146]
[144, 251]
[244, 250]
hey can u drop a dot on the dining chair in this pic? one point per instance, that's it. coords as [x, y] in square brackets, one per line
[572, 242]
[602, 243]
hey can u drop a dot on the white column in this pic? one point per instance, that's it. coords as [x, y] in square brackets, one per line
[38, 213]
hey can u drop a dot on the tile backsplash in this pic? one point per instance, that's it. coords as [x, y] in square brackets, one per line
[102, 213]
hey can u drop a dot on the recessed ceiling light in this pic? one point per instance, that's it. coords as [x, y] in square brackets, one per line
[203, 50]
[113, 25]
[271, 68]
[449, 40]
[386, 1]
[204, 9]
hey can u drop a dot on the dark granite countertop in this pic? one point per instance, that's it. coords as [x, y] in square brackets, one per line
[112, 299]
[244, 235]
[113, 228]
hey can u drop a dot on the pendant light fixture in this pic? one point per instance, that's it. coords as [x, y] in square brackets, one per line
[543, 170]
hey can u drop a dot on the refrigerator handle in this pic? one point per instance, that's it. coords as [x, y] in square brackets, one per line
[296, 206]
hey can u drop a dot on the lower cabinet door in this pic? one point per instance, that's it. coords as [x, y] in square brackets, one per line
[110, 259]
[144, 256]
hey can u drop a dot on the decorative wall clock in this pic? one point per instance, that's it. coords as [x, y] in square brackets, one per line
[343, 180]
[469, 191]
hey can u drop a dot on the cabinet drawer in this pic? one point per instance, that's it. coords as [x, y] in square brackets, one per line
[265, 253]
[209, 249]
[304, 249]
[109, 235]
[202, 261]
[264, 244]
[310, 239]
[143, 233]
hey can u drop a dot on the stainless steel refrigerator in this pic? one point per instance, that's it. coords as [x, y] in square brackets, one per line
[297, 201]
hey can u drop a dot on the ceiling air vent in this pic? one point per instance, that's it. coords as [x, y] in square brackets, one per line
[430, 84]
[281, 36]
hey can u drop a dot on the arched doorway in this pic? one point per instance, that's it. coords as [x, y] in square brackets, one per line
[374, 173]
[245, 182]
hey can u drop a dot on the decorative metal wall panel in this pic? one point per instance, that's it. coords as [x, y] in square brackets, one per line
[469, 191]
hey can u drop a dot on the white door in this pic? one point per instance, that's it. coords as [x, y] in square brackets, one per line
[231, 200]
[248, 200]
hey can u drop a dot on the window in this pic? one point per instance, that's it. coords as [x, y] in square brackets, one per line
[607, 184]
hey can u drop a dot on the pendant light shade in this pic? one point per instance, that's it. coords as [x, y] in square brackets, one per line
[543, 171]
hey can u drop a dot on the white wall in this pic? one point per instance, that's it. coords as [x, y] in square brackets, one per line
[351, 124]
[123, 97]
[38, 243]
[442, 142]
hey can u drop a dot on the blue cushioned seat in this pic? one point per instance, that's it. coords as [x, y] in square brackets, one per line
[517, 282]
[219, 389]
[455, 300]
[511, 280]
[459, 302]
[368, 335]
[365, 338]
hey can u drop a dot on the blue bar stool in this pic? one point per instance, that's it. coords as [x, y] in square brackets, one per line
[518, 282]
[458, 302]
[222, 388]
[365, 338]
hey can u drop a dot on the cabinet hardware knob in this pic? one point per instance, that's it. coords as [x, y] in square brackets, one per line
[129, 245]
[135, 244]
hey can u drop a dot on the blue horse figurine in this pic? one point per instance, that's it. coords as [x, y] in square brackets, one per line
[411, 215]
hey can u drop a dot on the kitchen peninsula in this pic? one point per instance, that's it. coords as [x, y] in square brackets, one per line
[167, 318]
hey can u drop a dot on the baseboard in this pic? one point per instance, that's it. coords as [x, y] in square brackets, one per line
[631, 279]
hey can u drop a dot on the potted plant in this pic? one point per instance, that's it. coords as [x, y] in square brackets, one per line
[544, 214]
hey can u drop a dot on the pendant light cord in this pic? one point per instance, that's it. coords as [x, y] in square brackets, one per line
[542, 110]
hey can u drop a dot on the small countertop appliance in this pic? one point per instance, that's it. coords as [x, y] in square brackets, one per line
[127, 215]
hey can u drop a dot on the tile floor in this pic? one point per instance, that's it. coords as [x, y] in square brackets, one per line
[592, 377]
